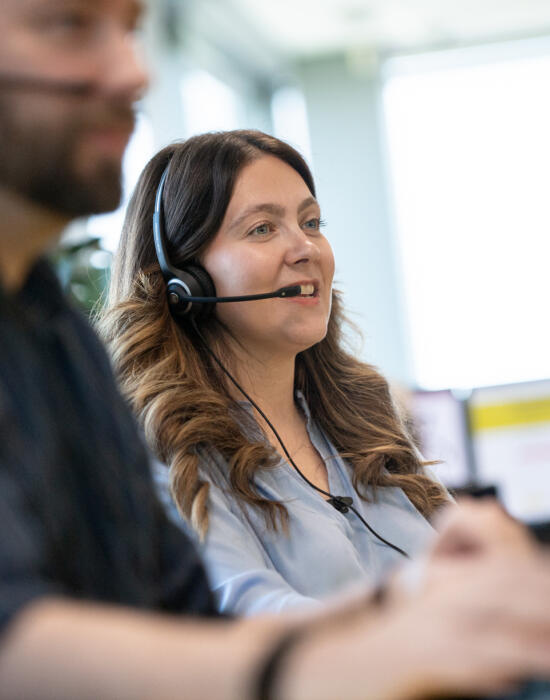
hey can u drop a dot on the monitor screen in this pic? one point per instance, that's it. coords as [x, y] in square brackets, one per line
[510, 430]
[440, 426]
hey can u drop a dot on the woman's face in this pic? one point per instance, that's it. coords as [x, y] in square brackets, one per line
[270, 238]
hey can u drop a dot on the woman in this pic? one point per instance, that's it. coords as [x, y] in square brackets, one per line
[285, 453]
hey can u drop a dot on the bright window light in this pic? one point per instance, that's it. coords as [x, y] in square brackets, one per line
[469, 150]
[208, 104]
[289, 114]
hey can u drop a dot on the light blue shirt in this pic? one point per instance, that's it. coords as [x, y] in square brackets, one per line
[253, 569]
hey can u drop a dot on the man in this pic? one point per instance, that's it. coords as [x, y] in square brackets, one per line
[89, 565]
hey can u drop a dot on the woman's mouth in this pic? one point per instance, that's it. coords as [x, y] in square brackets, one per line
[308, 290]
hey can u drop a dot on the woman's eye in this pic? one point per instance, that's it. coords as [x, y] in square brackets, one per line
[261, 230]
[314, 224]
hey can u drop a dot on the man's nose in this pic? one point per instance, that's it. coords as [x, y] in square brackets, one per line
[124, 71]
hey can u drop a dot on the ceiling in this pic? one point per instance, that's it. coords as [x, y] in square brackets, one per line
[305, 28]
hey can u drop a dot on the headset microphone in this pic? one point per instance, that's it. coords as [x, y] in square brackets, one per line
[14, 81]
[190, 291]
[293, 291]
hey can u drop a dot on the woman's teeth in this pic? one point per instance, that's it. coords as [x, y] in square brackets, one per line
[307, 290]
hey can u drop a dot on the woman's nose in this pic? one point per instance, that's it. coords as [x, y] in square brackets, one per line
[301, 248]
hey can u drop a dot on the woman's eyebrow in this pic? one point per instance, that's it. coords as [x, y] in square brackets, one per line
[270, 208]
[267, 207]
[306, 203]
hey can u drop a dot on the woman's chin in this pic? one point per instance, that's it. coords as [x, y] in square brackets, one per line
[285, 341]
[304, 341]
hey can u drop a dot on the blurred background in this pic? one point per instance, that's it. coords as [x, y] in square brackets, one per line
[427, 126]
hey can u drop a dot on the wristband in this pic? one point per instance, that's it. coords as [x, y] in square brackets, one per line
[270, 670]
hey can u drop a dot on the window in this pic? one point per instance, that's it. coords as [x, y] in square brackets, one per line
[208, 104]
[289, 114]
[469, 147]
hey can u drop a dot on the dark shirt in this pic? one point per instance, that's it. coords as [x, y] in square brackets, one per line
[78, 513]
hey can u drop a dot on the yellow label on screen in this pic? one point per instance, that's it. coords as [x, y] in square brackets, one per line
[505, 415]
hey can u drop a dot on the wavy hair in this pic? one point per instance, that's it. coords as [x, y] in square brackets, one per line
[179, 394]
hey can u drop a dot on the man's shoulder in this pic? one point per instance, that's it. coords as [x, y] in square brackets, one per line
[52, 361]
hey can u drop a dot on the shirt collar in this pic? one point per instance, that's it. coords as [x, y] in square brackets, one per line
[41, 295]
[301, 400]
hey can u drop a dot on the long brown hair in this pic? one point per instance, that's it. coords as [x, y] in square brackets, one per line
[179, 394]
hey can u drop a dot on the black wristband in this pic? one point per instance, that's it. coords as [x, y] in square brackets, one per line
[270, 670]
[379, 596]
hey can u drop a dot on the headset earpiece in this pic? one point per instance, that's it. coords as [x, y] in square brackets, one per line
[191, 281]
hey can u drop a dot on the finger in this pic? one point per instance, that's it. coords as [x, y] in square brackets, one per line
[475, 527]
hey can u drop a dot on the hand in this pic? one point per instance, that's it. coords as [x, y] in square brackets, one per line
[483, 624]
[472, 529]
[477, 528]
[480, 630]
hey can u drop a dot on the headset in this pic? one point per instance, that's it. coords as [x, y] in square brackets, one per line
[191, 295]
[190, 291]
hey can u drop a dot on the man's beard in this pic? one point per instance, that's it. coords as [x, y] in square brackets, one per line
[38, 161]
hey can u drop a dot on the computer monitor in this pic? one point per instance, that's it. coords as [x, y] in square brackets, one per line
[440, 424]
[510, 431]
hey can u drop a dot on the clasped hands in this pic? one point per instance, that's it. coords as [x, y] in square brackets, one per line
[479, 599]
